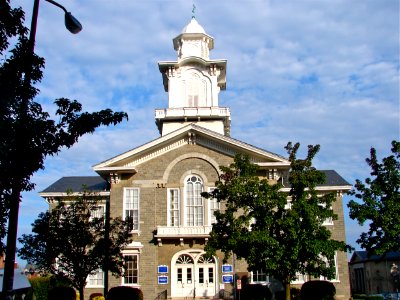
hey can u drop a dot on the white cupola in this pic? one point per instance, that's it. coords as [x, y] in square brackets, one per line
[193, 83]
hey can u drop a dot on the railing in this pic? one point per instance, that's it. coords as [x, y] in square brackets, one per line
[184, 231]
[161, 296]
[192, 111]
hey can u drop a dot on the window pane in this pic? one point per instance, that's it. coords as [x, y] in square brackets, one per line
[131, 204]
[174, 207]
[131, 269]
[201, 275]
[194, 202]
[211, 275]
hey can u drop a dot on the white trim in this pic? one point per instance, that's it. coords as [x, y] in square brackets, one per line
[137, 229]
[88, 285]
[169, 223]
[209, 211]
[133, 252]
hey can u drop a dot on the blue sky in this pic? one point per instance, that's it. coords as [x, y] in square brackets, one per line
[314, 72]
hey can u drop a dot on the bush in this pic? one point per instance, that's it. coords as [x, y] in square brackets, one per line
[255, 292]
[96, 296]
[376, 297]
[317, 290]
[124, 292]
[359, 296]
[62, 293]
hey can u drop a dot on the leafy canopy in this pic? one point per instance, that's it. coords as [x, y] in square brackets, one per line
[378, 203]
[276, 231]
[71, 241]
[28, 134]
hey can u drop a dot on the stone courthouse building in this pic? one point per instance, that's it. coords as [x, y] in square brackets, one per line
[159, 183]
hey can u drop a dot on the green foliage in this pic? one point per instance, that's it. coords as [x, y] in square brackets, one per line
[27, 133]
[43, 284]
[257, 226]
[380, 203]
[317, 290]
[359, 297]
[124, 292]
[68, 242]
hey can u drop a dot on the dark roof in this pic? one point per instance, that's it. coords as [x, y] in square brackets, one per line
[20, 280]
[362, 256]
[332, 178]
[78, 184]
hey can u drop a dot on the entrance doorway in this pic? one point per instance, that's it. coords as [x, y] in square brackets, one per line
[193, 275]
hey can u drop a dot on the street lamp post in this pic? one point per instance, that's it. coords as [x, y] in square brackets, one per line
[73, 25]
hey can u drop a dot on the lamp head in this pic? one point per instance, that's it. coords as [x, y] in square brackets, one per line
[72, 24]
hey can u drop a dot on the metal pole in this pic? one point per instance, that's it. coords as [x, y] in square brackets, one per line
[12, 230]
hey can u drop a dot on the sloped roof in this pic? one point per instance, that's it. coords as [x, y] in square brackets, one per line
[98, 184]
[77, 184]
[20, 280]
[332, 178]
[362, 256]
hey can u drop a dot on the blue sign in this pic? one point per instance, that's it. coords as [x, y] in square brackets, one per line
[227, 268]
[163, 269]
[162, 279]
[227, 278]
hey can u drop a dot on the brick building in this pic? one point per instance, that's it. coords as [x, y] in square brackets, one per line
[159, 183]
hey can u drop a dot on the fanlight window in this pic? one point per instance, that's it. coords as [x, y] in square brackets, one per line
[205, 260]
[184, 259]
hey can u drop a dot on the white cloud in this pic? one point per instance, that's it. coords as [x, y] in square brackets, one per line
[317, 72]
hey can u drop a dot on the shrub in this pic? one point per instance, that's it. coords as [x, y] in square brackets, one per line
[96, 296]
[124, 292]
[255, 292]
[62, 293]
[359, 296]
[376, 297]
[318, 290]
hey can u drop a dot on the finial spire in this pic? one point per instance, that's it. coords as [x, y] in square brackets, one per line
[193, 11]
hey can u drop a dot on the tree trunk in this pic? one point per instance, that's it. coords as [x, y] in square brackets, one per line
[287, 290]
[81, 291]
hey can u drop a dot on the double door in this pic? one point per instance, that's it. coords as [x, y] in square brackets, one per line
[193, 277]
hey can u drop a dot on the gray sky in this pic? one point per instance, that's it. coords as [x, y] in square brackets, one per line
[314, 72]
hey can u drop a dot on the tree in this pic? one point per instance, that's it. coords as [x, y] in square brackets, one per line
[277, 232]
[27, 133]
[380, 203]
[71, 241]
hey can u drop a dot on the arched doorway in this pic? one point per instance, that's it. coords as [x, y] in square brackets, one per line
[193, 274]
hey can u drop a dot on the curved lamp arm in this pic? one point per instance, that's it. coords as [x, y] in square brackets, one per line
[71, 23]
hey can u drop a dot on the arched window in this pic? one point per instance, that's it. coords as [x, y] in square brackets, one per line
[193, 201]
[195, 91]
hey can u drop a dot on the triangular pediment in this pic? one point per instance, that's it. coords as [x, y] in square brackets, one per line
[190, 134]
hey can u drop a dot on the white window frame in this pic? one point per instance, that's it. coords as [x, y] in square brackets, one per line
[95, 214]
[171, 220]
[300, 278]
[259, 273]
[198, 214]
[213, 205]
[336, 278]
[123, 277]
[327, 221]
[136, 222]
[97, 277]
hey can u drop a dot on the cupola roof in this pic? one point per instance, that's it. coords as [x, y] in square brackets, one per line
[193, 27]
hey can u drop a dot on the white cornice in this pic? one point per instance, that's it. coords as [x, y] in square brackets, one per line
[128, 160]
